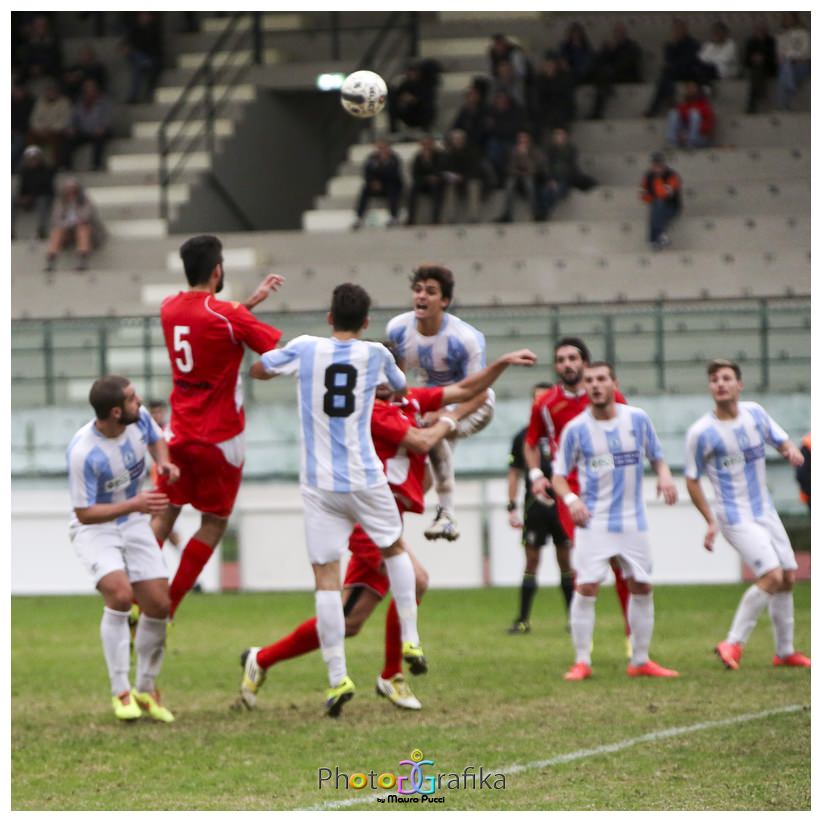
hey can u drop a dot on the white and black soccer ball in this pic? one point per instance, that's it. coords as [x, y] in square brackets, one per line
[363, 94]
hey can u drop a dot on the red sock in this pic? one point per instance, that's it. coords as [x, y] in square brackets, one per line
[192, 562]
[393, 642]
[623, 594]
[301, 640]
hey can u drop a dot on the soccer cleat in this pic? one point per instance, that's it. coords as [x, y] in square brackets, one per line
[398, 691]
[125, 707]
[579, 670]
[335, 698]
[650, 668]
[521, 626]
[444, 526]
[253, 677]
[730, 653]
[415, 658]
[794, 660]
[151, 704]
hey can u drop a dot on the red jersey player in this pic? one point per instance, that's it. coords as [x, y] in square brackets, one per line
[402, 447]
[549, 415]
[205, 338]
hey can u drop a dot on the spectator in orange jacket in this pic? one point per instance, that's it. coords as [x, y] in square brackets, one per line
[662, 189]
[691, 123]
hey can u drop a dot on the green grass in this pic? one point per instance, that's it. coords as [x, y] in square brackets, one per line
[490, 700]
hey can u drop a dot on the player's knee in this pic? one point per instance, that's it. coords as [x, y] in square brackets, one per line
[353, 624]
[772, 581]
[638, 588]
[588, 589]
[788, 579]
[119, 598]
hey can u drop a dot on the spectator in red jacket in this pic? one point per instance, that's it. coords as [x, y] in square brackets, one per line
[691, 123]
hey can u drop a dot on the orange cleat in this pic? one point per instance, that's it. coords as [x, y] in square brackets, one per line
[730, 653]
[794, 660]
[579, 670]
[650, 668]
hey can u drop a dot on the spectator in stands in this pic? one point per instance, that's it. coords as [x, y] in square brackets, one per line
[464, 177]
[793, 54]
[679, 64]
[691, 123]
[414, 100]
[619, 60]
[22, 104]
[144, 52]
[505, 120]
[90, 123]
[35, 190]
[508, 81]
[554, 95]
[39, 53]
[87, 67]
[577, 53]
[505, 49]
[382, 178]
[526, 169]
[718, 57]
[472, 119]
[661, 189]
[427, 178]
[760, 61]
[561, 173]
[50, 121]
[74, 221]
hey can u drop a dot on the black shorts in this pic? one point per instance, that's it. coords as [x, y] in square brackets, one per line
[542, 522]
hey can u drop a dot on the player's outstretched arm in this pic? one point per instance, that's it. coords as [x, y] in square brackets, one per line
[270, 283]
[791, 453]
[147, 502]
[576, 507]
[665, 486]
[422, 440]
[479, 381]
[698, 499]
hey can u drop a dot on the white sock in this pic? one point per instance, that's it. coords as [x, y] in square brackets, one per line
[582, 625]
[331, 631]
[115, 636]
[641, 620]
[149, 647]
[442, 466]
[404, 590]
[753, 602]
[781, 610]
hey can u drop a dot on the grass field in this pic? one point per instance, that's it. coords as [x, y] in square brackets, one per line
[489, 700]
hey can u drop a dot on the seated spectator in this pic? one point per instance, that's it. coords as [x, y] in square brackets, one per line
[50, 121]
[561, 173]
[619, 60]
[554, 104]
[464, 176]
[87, 67]
[662, 189]
[35, 190]
[22, 104]
[144, 52]
[504, 121]
[718, 56]
[90, 123]
[414, 100]
[679, 64]
[472, 119]
[577, 53]
[691, 123]
[526, 168]
[760, 61]
[506, 80]
[382, 178]
[426, 178]
[793, 54]
[74, 222]
[39, 53]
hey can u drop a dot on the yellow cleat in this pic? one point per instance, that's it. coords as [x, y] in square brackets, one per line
[415, 658]
[150, 703]
[125, 708]
[335, 698]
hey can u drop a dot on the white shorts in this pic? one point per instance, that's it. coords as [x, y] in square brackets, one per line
[330, 516]
[593, 551]
[762, 543]
[130, 547]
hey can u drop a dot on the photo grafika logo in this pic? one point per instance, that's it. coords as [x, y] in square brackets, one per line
[413, 781]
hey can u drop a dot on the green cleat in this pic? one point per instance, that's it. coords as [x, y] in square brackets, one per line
[150, 703]
[415, 658]
[125, 707]
[335, 698]
[520, 627]
[253, 678]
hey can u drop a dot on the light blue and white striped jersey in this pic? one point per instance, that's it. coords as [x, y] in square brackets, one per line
[109, 469]
[609, 455]
[337, 381]
[453, 353]
[732, 454]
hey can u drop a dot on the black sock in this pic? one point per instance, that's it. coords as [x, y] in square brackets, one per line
[566, 582]
[526, 596]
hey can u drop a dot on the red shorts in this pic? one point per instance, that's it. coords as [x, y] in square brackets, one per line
[365, 566]
[208, 481]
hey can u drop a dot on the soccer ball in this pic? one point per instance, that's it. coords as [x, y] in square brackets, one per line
[363, 94]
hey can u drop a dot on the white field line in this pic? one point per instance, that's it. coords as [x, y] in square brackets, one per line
[561, 759]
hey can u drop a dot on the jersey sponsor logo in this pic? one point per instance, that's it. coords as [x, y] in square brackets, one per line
[728, 462]
[608, 462]
[756, 452]
[122, 480]
[623, 458]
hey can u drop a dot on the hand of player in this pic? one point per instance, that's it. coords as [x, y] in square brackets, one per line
[521, 357]
[271, 283]
[514, 520]
[168, 469]
[793, 455]
[540, 487]
[150, 502]
[579, 513]
[429, 418]
[666, 488]
[710, 536]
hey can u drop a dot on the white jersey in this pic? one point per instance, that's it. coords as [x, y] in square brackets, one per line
[732, 454]
[453, 353]
[337, 381]
[109, 469]
[610, 455]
